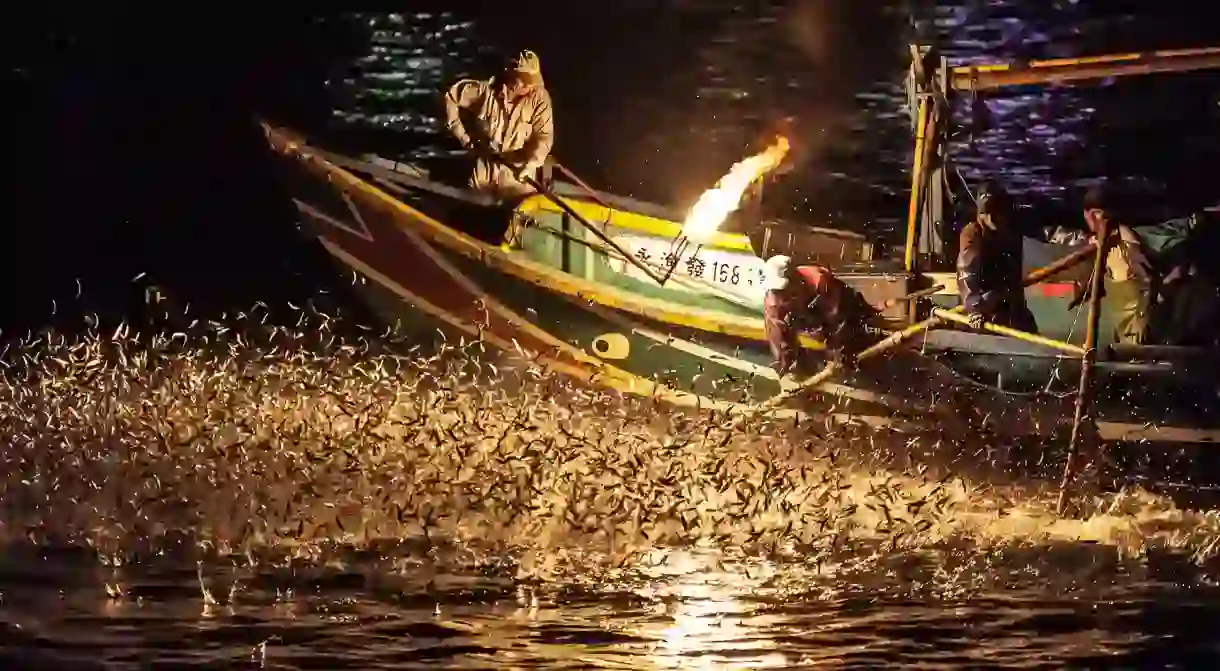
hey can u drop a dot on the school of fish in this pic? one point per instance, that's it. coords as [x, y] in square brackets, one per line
[242, 438]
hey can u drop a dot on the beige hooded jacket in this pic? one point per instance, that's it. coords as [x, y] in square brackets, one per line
[522, 131]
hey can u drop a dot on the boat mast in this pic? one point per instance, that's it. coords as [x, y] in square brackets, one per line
[930, 84]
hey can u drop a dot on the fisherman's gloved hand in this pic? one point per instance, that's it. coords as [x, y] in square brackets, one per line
[1141, 266]
[520, 171]
[977, 320]
[481, 149]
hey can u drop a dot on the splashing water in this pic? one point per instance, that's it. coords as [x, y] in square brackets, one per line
[303, 439]
[297, 453]
[717, 203]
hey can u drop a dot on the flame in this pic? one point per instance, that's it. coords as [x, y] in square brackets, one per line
[717, 203]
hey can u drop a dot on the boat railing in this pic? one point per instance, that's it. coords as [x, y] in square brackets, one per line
[407, 175]
[1171, 353]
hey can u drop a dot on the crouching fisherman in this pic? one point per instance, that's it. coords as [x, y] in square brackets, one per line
[810, 299]
[990, 264]
[507, 123]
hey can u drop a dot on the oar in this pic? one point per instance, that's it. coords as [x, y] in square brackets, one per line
[590, 191]
[1084, 423]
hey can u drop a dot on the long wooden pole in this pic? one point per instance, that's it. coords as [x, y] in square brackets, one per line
[922, 139]
[1062, 70]
[590, 191]
[1031, 338]
[1084, 425]
[1055, 267]
[567, 209]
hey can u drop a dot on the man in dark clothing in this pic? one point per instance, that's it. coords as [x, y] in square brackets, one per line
[990, 264]
[810, 299]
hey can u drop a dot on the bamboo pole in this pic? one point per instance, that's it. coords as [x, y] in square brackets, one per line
[922, 140]
[890, 342]
[567, 209]
[1057, 71]
[1084, 425]
[1031, 338]
[590, 191]
[1055, 267]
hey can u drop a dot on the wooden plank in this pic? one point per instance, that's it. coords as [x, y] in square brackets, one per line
[1129, 352]
[1128, 432]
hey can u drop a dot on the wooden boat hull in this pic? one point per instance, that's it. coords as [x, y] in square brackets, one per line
[639, 343]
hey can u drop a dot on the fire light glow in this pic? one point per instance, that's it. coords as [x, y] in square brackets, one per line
[717, 203]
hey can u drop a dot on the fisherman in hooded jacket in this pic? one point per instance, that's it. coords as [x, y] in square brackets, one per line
[507, 122]
[990, 264]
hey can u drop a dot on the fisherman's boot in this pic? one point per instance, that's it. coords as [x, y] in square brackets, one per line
[517, 223]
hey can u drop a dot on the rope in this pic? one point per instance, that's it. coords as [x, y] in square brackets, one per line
[983, 385]
[1071, 332]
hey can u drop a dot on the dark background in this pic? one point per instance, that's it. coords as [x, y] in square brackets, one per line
[138, 153]
[132, 146]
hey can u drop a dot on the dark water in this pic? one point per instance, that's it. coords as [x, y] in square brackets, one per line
[661, 98]
[703, 618]
[272, 502]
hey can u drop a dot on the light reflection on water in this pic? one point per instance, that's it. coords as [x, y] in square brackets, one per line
[696, 611]
[708, 615]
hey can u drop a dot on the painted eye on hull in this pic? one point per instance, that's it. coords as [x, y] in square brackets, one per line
[612, 346]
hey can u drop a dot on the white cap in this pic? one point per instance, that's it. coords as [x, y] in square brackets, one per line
[775, 273]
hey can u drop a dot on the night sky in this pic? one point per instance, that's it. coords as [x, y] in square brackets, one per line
[140, 155]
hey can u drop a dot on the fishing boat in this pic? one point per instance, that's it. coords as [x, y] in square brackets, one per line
[617, 292]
